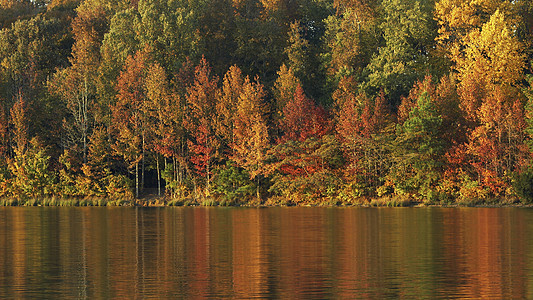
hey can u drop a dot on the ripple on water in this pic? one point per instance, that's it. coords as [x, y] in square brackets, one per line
[295, 253]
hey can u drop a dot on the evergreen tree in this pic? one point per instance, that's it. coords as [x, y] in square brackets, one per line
[418, 150]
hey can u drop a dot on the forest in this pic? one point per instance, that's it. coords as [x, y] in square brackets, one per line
[267, 102]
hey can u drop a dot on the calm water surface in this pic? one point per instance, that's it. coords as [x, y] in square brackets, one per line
[294, 253]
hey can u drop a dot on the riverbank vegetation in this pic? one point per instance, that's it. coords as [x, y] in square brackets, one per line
[266, 102]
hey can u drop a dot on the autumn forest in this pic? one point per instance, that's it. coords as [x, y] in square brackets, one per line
[267, 102]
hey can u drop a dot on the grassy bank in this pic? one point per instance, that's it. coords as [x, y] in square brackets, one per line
[66, 202]
[155, 201]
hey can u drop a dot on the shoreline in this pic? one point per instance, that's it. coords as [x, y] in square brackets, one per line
[166, 202]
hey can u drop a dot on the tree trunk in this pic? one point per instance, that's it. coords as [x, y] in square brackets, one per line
[84, 118]
[182, 166]
[158, 177]
[258, 195]
[142, 170]
[174, 175]
[137, 179]
[208, 177]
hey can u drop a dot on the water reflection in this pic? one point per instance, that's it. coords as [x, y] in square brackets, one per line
[265, 253]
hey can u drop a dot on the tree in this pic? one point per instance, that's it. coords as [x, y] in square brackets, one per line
[523, 179]
[362, 127]
[284, 89]
[19, 120]
[4, 123]
[31, 175]
[457, 19]
[351, 37]
[159, 101]
[303, 58]
[129, 115]
[99, 160]
[528, 93]
[233, 183]
[298, 51]
[29, 54]
[200, 120]
[302, 118]
[453, 135]
[496, 147]
[525, 31]
[216, 33]
[30, 51]
[165, 120]
[120, 41]
[448, 104]
[261, 38]
[305, 155]
[305, 170]
[73, 89]
[167, 107]
[76, 85]
[11, 10]
[250, 130]
[408, 35]
[419, 149]
[170, 29]
[492, 55]
[227, 106]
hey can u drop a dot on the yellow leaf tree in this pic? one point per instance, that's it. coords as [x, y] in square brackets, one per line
[250, 129]
[457, 18]
[232, 88]
[284, 89]
[492, 54]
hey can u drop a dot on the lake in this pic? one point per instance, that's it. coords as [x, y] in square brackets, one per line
[290, 253]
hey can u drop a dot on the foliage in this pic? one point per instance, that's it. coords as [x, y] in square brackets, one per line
[200, 120]
[302, 118]
[31, 176]
[419, 149]
[233, 184]
[523, 185]
[351, 37]
[305, 168]
[250, 130]
[408, 34]
[492, 53]
[304, 102]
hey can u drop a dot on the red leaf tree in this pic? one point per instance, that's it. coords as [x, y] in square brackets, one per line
[361, 126]
[302, 118]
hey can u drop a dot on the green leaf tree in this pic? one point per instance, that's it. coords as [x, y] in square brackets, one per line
[419, 150]
[408, 35]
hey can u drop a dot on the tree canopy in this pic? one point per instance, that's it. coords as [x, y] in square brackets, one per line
[307, 101]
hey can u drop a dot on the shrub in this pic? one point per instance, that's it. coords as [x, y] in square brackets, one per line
[233, 184]
[523, 185]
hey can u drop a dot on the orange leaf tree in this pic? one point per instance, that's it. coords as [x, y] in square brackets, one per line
[129, 115]
[200, 121]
